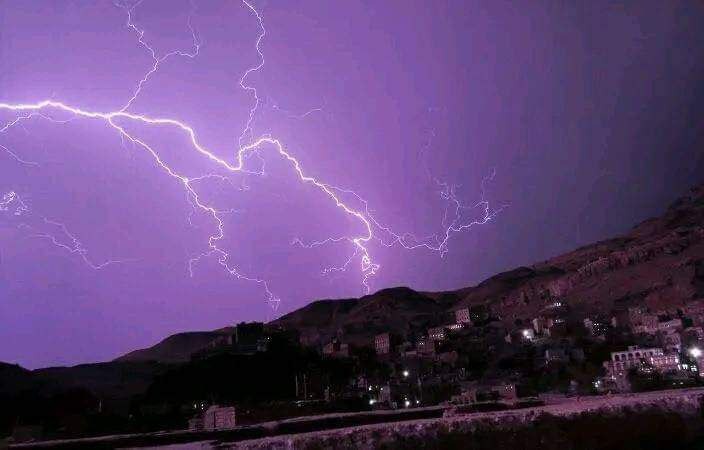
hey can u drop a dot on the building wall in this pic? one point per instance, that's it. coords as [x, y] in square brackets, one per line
[382, 343]
[219, 417]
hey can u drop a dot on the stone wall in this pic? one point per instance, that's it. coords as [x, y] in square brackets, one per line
[666, 419]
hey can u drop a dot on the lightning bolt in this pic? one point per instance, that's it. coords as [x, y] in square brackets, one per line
[14, 156]
[257, 46]
[75, 247]
[291, 115]
[13, 204]
[247, 145]
[156, 60]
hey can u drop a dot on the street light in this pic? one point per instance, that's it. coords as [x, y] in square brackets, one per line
[405, 374]
[695, 352]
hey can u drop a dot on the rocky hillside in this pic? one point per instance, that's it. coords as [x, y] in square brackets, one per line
[176, 348]
[659, 263]
[401, 310]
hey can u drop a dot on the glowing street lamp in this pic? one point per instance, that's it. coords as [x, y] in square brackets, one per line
[405, 373]
[695, 352]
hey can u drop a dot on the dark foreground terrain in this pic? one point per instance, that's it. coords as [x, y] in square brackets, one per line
[655, 420]
[659, 420]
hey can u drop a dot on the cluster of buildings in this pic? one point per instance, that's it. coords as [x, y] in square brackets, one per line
[663, 342]
[428, 344]
[677, 336]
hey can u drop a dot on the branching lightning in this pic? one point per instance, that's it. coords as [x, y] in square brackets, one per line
[14, 156]
[75, 246]
[11, 203]
[247, 145]
[156, 60]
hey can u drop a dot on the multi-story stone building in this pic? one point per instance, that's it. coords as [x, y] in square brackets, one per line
[462, 316]
[219, 417]
[382, 343]
[214, 418]
[647, 324]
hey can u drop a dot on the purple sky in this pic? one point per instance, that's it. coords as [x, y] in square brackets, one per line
[589, 118]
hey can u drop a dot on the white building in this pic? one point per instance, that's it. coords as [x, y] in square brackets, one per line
[636, 357]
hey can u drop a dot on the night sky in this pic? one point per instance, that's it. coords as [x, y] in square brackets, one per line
[566, 123]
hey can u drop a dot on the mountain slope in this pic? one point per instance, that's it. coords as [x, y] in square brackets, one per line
[398, 310]
[175, 348]
[659, 263]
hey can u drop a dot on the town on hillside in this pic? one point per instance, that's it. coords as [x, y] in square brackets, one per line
[476, 362]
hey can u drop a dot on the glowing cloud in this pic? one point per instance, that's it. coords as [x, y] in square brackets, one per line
[248, 144]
